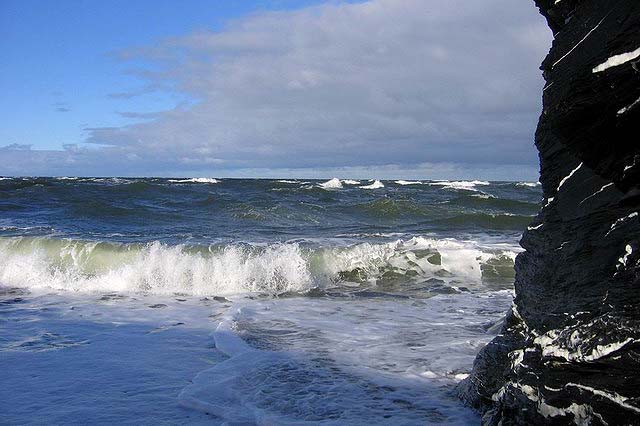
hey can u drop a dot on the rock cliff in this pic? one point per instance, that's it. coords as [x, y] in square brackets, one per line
[569, 351]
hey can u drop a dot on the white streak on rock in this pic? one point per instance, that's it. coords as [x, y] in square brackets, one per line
[549, 200]
[621, 220]
[630, 166]
[623, 260]
[627, 108]
[549, 346]
[597, 192]
[582, 414]
[612, 396]
[578, 43]
[567, 177]
[532, 228]
[617, 60]
[552, 389]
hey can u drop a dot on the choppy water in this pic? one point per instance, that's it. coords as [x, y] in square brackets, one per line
[263, 301]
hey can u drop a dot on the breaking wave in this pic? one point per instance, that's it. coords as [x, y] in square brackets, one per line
[460, 185]
[528, 184]
[408, 182]
[375, 185]
[195, 180]
[332, 184]
[158, 268]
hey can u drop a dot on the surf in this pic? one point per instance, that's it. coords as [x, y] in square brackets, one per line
[237, 268]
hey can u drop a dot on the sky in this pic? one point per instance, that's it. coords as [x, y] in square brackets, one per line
[271, 88]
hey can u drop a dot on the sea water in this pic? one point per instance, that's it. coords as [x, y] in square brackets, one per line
[273, 302]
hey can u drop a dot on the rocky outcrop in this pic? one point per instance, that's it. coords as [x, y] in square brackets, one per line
[569, 351]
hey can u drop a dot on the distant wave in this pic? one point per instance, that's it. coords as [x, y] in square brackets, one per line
[76, 265]
[375, 185]
[408, 182]
[528, 184]
[460, 185]
[334, 183]
[195, 180]
[21, 183]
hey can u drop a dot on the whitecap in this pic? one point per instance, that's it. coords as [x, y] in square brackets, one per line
[408, 182]
[375, 185]
[461, 185]
[158, 268]
[331, 184]
[528, 184]
[195, 180]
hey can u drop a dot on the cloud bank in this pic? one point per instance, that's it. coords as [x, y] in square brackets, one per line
[387, 85]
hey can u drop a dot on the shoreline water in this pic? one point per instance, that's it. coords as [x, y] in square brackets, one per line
[266, 302]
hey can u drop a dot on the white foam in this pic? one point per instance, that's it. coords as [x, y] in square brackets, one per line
[461, 185]
[226, 270]
[331, 184]
[195, 180]
[375, 185]
[312, 361]
[528, 184]
[408, 182]
[350, 182]
[154, 268]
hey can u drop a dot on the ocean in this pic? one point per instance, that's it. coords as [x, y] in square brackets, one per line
[251, 301]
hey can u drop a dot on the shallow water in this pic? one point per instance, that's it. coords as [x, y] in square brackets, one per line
[250, 301]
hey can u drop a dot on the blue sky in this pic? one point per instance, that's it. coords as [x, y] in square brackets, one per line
[59, 68]
[402, 88]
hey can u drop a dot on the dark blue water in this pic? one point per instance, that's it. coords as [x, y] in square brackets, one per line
[183, 301]
[142, 210]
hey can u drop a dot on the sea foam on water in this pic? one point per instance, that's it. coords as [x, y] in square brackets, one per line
[159, 268]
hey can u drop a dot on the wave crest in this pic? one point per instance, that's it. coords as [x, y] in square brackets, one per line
[240, 268]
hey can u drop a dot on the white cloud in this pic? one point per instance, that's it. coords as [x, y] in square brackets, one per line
[401, 82]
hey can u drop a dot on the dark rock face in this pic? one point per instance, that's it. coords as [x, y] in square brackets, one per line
[570, 348]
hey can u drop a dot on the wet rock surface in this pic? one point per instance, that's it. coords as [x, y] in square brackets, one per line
[569, 351]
